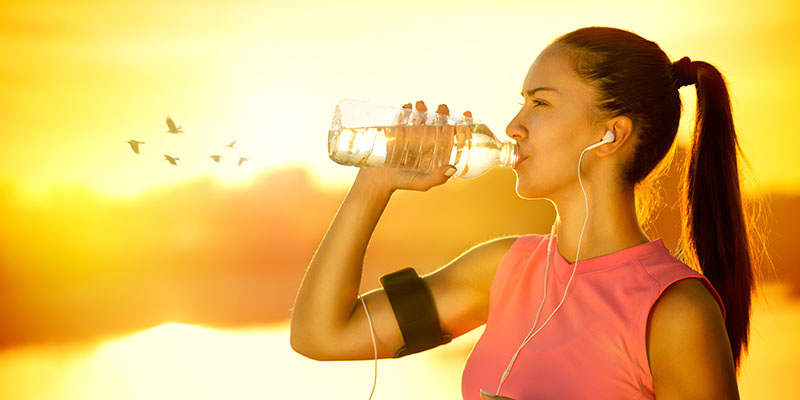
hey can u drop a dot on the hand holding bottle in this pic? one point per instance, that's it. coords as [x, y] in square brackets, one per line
[364, 134]
[412, 130]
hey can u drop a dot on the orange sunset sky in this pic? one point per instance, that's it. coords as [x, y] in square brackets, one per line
[79, 79]
[97, 242]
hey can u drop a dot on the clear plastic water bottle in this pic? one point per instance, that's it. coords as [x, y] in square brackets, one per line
[365, 134]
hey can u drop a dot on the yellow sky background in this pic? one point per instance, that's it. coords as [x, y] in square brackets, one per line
[80, 79]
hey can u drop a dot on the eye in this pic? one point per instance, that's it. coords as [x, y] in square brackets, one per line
[536, 103]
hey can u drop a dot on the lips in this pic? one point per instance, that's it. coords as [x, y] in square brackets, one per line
[519, 161]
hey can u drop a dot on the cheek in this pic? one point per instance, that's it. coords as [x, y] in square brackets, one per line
[556, 150]
[547, 156]
[548, 169]
[553, 152]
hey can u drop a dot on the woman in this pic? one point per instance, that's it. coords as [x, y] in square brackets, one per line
[632, 320]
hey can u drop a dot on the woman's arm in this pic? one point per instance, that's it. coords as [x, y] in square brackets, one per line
[688, 346]
[329, 289]
[328, 293]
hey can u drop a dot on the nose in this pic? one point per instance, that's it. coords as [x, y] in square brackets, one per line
[516, 130]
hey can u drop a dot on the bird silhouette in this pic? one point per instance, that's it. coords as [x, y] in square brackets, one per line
[172, 127]
[216, 158]
[171, 159]
[231, 144]
[241, 160]
[135, 145]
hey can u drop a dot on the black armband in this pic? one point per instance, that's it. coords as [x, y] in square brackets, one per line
[413, 306]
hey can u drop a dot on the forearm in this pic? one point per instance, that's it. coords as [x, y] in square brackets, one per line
[329, 289]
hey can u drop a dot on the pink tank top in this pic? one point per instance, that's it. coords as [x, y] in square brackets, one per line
[594, 345]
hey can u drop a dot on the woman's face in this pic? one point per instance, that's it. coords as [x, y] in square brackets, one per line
[553, 126]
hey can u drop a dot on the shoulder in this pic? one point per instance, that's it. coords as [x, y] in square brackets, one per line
[686, 328]
[686, 298]
[503, 244]
[495, 249]
[499, 245]
[474, 267]
[527, 241]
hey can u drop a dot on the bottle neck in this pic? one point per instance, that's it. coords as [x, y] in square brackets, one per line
[509, 154]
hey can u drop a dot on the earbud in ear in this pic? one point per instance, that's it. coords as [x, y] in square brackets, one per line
[608, 138]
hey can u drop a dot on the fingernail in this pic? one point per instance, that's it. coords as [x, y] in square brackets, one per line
[450, 171]
[487, 393]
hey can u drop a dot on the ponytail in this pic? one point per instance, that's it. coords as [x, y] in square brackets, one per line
[634, 77]
[715, 238]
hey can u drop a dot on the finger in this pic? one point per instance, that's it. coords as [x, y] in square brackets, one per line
[415, 137]
[468, 117]
[402, 116]
[418, 117]
[463, 133]
[447, 170]
[434, 138]
[442, 115]
[423, 182]
[437, 177]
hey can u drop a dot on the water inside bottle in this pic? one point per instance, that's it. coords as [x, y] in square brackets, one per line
[419, 148]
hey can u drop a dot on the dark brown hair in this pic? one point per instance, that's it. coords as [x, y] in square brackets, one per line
[632, 76]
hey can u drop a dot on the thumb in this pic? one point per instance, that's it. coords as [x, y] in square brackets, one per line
[449, 170]
[444, 173]
[424, 181]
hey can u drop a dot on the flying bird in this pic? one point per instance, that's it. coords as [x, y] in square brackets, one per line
[241, 160]
[216, 158]
[231, 144]
[171, 159]
[135, 145]
[172, 127]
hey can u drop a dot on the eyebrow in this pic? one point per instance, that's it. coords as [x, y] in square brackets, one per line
[533, 91]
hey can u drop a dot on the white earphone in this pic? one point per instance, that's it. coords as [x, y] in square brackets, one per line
[607, 138]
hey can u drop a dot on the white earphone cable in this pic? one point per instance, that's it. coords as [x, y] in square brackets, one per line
[374, 347]
[575, 268]
[544, 296]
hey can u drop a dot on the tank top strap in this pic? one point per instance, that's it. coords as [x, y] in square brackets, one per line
[667, 274]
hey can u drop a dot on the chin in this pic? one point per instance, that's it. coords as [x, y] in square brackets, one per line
[524, 189]
[527, 189]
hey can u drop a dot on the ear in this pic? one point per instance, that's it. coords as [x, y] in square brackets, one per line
[622, 127]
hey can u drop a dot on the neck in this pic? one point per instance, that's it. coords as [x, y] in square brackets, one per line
[612, 224]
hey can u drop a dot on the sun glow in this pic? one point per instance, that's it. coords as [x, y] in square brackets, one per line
[268, 76]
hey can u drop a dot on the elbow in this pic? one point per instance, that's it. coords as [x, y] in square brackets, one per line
[304, 346]
[298, 342]
[299, 349]
[308, 352]
[308, 339]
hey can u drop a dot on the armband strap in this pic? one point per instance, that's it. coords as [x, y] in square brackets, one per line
[415, 310]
